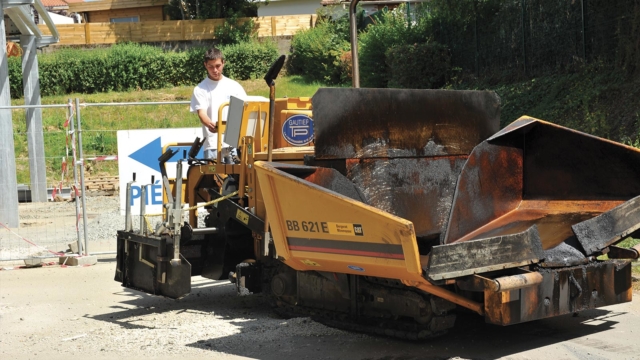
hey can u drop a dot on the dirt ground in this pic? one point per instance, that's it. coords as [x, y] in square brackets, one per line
[58, 312]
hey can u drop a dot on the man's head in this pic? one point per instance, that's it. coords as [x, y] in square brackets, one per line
[214, 63]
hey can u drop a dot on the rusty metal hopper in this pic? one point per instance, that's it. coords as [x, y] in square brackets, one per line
[577, 193]
[400, 123]
[520, 218]
[403, 148]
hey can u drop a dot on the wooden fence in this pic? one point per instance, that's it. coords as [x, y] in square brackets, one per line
[156, 31]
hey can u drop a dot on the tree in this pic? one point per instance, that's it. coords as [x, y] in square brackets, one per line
[211, 9]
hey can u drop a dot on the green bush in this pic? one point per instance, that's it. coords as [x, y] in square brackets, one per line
[249, 60]
[316, 53]
[15, 75]
[389, 30]
[418, 66]
[131, 66]
[233, 31]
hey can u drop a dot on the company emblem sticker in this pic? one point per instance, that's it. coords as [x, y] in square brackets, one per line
[298, 130]
[346, 229]
[356, 268]
[244, 218]
[309, 262]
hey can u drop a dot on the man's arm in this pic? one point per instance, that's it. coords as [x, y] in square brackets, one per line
[204, 119]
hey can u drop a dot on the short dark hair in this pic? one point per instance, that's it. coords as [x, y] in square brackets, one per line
[213, 54]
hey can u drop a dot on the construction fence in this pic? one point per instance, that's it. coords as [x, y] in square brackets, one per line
[178, 30]
[527, 37]
[83, 211]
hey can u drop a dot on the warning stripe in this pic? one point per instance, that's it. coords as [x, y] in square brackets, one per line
[103, 158]
[387, 251]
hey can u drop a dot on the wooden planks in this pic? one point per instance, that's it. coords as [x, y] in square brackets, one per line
[91, 6]
[70, 34]
[289, 25]
[200, 29]
[157, 31]
[106, 185]
[151, 13]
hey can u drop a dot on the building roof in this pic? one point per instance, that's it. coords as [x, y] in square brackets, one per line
[54, 3]
[83, 6]
[362, 2]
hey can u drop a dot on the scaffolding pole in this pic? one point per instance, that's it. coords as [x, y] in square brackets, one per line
[8, 180]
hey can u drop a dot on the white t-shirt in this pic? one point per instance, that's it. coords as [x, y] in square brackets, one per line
[210, 95]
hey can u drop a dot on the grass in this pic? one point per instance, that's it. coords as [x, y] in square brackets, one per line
[100, 124]
[597, 100]
[626, 243]
[629, 242]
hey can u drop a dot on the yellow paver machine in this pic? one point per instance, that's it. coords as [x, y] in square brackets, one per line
[410, 204]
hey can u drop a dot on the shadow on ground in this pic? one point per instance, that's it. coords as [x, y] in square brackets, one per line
[263, 335]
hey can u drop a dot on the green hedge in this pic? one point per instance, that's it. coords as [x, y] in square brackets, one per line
[526, 38]
[387, 31]
[393, 53]
[126, 67]
[316, 53]
[418, 66]
[249, 60]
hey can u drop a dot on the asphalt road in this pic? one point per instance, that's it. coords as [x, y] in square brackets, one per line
[61, 313]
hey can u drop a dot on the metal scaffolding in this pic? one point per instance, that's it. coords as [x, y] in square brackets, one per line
[19, 11]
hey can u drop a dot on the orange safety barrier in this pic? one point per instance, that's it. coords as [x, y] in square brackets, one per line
[13, 49]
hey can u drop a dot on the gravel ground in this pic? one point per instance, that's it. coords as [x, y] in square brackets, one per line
[93, 315]
[52, 226]
[59, 312]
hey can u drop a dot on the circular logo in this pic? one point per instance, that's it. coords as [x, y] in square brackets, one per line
[356, 268]
[298, 130]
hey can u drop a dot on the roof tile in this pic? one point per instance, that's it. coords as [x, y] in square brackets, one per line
[52, 3]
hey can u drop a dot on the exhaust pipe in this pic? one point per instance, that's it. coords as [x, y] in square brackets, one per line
[353, 29]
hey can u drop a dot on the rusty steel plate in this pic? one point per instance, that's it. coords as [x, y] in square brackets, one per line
[561, 163]
[535, 172]
[603, 230]
[417, 189]
[390, 123]
[484, 255]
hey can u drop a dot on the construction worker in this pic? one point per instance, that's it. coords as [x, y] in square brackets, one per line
[212, 92]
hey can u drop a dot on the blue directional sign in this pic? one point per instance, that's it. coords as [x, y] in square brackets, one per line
[148, 155]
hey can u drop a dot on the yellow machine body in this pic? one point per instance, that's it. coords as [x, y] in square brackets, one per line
[409, 203]
[335, 233]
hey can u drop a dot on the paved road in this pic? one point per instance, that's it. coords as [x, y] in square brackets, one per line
[56, 313]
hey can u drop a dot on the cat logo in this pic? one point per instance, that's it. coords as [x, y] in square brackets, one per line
[309, 263]
[244, 218]
[357, 230]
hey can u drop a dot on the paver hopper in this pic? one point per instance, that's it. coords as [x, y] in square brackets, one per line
[412, 202]
[397, 195]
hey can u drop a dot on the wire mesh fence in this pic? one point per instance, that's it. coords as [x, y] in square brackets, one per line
[82, 182]
[529, 37]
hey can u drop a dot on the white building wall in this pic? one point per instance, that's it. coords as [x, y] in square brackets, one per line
[288, 7]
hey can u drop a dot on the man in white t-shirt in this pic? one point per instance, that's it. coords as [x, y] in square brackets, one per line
[212, 92]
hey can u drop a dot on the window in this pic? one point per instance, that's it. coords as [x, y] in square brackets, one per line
[125, 19]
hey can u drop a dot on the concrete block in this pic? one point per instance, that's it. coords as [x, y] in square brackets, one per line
[74, 247]
[78, 260]
[33, 262]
